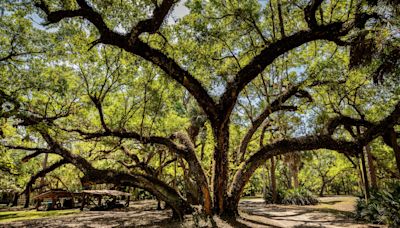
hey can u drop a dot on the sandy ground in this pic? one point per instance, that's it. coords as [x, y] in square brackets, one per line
[331, 212]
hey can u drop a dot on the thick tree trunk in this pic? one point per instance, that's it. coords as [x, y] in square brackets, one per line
[230, 207]
[371, 167]
[293, 162]
[220, 167]
[295, 180]
[192, 190]
[202, 188]
[196, 171]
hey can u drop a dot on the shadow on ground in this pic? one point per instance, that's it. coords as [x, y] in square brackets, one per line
[254, 213]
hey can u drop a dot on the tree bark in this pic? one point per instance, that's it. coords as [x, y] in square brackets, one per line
[220, 166]
[371, 167]
[364, 175]
[273, 180]
[294, 163]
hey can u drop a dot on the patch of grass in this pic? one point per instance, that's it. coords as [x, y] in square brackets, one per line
[11, 216]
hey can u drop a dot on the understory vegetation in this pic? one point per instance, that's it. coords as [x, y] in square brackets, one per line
[383, 207]
[297, 196]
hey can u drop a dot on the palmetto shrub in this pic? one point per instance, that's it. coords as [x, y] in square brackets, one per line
[383, 207]
[297, 196]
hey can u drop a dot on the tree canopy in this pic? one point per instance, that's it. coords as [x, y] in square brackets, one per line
[189, 108]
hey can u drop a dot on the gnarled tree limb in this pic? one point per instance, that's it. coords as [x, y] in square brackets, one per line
[138, 47]
[276, 105]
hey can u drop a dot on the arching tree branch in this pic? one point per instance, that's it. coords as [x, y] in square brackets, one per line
[330, 32]
[43, 173]
[276, 105]
[94, 175]
[324, 141]
[132, 44]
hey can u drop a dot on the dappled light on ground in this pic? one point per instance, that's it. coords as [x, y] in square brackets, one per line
[331, 212]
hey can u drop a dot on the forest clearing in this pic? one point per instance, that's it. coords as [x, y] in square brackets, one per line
[200, 113]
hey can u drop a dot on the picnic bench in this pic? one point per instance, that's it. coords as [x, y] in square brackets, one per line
[55, 197]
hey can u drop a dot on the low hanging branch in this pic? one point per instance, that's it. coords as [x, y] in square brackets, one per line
[43, 173]
[284, 146]
[324, 141]
[93, 175]
[186, 151]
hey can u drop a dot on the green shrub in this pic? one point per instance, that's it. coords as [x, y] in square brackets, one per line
[297, 196]
[383, 207]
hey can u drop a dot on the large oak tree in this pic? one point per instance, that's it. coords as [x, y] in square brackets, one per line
[235, 65]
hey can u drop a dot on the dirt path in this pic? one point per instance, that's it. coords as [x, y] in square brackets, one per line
[332, 212]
